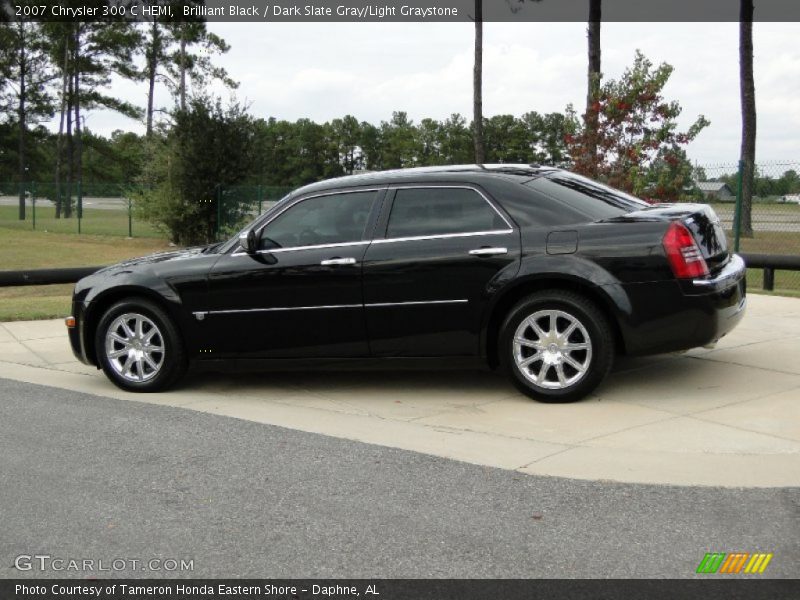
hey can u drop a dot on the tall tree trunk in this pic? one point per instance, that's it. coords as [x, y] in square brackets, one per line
[70, 148]
[593, 82]
[59, 142]
[748, 95]
[152, 66]
[21, 117]
[477, 86]
[182, 89]
[78, 133]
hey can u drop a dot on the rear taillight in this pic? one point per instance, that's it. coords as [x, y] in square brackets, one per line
[683, 253]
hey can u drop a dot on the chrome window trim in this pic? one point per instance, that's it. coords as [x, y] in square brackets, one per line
[444, 235]
[202, 314]
[297, 248]
[439, 236]
[295, 202]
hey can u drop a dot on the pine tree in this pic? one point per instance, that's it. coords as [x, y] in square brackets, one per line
[28, 75]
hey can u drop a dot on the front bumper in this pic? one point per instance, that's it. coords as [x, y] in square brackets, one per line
[76, 333]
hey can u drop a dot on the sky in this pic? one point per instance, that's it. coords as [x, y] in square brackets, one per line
[323, 71]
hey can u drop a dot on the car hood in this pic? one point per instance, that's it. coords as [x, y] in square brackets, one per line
[146, 270]
[158, 257]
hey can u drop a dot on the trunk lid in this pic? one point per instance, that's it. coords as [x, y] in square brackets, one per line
[701, 221]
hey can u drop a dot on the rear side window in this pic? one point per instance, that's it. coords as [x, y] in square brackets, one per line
[441, 211]
[593, 199]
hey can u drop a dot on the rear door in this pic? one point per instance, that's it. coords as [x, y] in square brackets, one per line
[430, 270]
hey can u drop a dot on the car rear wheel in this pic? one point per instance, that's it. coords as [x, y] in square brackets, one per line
[556, 346]
[138, 347]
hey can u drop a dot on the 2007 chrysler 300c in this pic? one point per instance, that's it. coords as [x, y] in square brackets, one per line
[538, 271]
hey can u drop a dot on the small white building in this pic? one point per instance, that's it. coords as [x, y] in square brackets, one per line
[718, 191]
[794, 198]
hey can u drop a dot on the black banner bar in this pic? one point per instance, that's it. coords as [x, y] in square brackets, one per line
[398, 589]
[320, 11]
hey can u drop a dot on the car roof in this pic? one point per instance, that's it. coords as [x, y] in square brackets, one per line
[441, 174]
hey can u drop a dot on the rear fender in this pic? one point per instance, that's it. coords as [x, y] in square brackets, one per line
[543, 272]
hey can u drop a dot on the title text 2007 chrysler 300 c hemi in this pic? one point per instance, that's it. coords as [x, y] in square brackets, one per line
[543, 273]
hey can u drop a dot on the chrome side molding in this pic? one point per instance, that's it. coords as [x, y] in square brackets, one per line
[201, 315]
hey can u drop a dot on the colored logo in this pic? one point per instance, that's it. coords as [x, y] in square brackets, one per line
[734, 563]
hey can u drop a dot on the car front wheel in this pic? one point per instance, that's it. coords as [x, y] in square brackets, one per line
[138, 347]
[556, 346]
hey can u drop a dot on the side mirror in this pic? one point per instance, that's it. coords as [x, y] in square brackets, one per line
[248, 241]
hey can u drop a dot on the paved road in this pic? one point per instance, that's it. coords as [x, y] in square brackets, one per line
[88, 202]
[772, 217]
[89, 477]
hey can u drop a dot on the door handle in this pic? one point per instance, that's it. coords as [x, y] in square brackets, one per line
[488, 251]
[338, 261]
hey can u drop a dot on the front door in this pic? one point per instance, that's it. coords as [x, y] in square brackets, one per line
[300, 295]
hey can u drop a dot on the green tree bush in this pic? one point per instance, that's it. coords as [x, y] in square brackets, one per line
[638, 146]
[209, 147]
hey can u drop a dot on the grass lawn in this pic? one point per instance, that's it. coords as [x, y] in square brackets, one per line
[35, 302]
[95, 221]
[768, 242]
[787, 283]
[23, 249]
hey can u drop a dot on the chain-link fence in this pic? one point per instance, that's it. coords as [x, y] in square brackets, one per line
[103, 209]
[769, 225]
[110, 209]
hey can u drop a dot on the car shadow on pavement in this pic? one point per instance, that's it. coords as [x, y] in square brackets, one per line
[416, 382]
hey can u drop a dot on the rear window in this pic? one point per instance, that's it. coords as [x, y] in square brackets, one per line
[593, 199]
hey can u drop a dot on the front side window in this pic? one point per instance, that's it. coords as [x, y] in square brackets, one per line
[334, 219]
[441, 211]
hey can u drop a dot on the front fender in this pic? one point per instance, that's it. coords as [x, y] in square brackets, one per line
[95, 294]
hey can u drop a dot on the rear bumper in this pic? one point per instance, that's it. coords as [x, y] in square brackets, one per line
[678, 315]
[729, 276]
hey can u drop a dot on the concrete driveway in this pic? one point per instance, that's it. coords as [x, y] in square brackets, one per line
[723, 417]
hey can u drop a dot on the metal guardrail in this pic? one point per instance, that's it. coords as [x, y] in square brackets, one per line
[769, 262]
[44, 276]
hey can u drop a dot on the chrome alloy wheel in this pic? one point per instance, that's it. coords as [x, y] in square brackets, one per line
[552, 349]
[135, 347]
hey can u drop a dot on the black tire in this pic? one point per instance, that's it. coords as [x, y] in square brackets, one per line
[171, 360]
[560, 381]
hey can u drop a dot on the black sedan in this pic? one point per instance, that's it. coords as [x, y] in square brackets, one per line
[541, 272]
